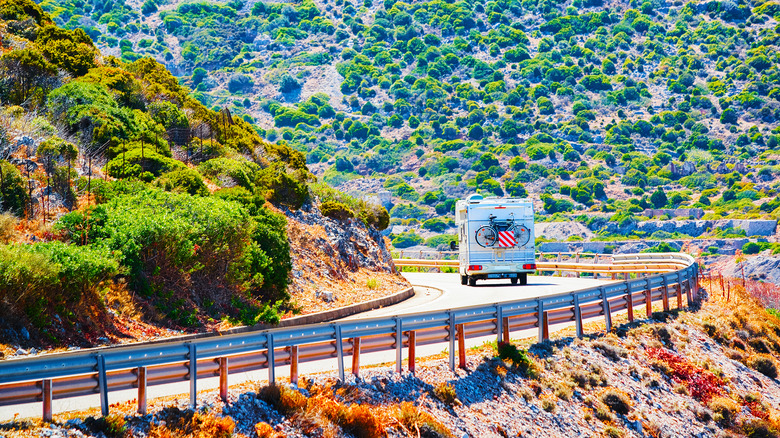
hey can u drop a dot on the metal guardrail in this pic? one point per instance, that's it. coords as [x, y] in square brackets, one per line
[72, 374]
[602, 264]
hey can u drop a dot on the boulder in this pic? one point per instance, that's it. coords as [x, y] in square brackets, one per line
[561, 230]
[752, 227]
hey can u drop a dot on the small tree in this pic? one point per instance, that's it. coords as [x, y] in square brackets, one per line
[658, 198]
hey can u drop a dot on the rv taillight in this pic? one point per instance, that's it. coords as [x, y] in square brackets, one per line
[529, 266]
[475, 267]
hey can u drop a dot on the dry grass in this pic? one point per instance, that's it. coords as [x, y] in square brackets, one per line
[331, 413]
[8, 223]
[764, 364]
[285, 400]
[194, 425]
[617, 400]
[419, 422]
[446, 393]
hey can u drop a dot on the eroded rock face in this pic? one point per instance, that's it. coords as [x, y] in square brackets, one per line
[760, 267]
[347, 244]
[724, 246]
[695, 228]
[562, 230]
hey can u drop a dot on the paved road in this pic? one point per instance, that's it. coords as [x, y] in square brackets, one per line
[434, 292]
[444, 291]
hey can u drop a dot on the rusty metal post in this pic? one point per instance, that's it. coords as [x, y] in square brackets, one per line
[461, 347]
[356, 356]
[223, 378]
[545, 326]
[505, 335]
[412, 350]
[294, 365]
[47, 401]
[665, 294]
[649, 302]
[142, 390]
[680, 288]
[630, 303]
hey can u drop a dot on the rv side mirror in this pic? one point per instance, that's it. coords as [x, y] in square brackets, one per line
[453, 246]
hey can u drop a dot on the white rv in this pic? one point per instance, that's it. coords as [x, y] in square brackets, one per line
[495, 239]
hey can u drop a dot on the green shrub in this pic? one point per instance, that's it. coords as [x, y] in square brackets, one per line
[519, 357]
[183, 181]
[336, 210]
[13, 189]
[133, 163]
[751, 248]
[372, 215]
[661, 247]
[281, 188]
[52, 277]
[407, 239]
[241, 172]
[154, 229]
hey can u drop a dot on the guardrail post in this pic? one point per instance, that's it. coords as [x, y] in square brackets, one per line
[294, 365]
[606, 309]
[687, 290]
[630, 303]
[577, 316]
[461, 347]
[499, 322]
[270, 355]
[102, 384]
[48, 414]
[399, 344]
[648, 301]
[142, 390]
[665, 293]
[540, 318]
[193, 375]
[356, 356]
[506, 329]
[546, 331]
[412, 349]
[679, 287]
[451, 328]
[340, 352]
[224, 369]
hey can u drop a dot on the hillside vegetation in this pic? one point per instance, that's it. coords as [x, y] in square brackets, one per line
[589, 106]
[123, 195]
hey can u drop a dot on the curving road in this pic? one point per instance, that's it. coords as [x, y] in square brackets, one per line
[444, 291]
[434, 291]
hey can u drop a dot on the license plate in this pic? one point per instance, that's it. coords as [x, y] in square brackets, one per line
[502, 276]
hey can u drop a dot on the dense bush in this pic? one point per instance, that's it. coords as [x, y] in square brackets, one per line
[183, 181]
[336, 210]
[14, 196]
[407, 239]
[53, 278]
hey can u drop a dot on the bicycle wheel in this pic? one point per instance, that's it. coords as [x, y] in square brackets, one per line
[522, 235]
[486, 236]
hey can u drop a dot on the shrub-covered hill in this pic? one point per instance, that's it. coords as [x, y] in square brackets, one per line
[124, 201]
[587, 105]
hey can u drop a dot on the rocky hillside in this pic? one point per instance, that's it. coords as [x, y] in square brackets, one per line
[611, 106]
[706, 372]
